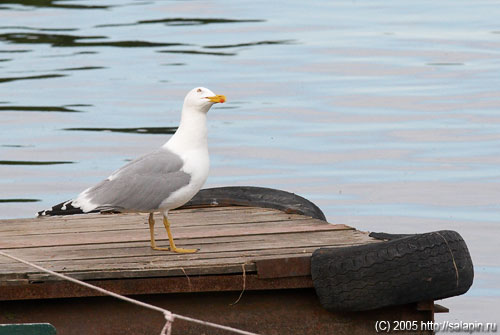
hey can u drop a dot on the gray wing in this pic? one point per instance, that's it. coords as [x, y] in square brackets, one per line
[142, 184]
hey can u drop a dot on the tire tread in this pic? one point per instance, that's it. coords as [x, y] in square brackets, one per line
[403, 270]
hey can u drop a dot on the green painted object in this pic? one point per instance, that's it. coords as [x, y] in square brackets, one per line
[28, 329]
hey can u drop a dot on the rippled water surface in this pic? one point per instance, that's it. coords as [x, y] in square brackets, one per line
[385, 114]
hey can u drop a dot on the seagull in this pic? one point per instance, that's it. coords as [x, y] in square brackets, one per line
[159, 181]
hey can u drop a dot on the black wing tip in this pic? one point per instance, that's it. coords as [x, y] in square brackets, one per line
[64, 208]
[44, 212]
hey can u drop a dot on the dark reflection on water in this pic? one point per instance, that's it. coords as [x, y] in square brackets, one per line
[38, 29]
[14, 51]
[61, 40]
[195, 21]
[15, 146]
[82, 68]
[59, 109]
[250, 44]
[78, 105]
[71, 54]
[142, 130]
[197, 52]
[226, 46]
[34, 162]
[44, 76]
[174, 64]
[50, 3]
[19, 200]
[180, 22]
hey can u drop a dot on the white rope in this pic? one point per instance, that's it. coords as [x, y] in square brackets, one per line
[169, 316]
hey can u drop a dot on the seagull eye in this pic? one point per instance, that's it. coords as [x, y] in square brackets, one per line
[198, 90]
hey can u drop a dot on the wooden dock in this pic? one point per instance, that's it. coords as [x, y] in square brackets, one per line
[262, 252]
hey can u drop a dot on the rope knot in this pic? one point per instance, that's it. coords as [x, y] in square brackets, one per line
[167, 329]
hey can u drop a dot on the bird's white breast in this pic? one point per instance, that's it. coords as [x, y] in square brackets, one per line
[190, 143]
[196, 164]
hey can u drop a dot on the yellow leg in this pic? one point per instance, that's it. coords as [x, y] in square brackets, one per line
[171, 239]
[151, 221]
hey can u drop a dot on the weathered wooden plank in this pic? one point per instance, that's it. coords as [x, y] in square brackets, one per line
[89, 218]
[179, 232]
[211, 245]
[153, 261]
[117, 246]
[104, 223]
[137, 267]
[131, 217]
[155, 285]
[159, 262]
[33, 278]
[229, 268]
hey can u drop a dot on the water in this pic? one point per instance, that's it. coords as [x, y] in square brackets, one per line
[385, 114]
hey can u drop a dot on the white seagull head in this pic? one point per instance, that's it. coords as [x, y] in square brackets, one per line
[202, 98]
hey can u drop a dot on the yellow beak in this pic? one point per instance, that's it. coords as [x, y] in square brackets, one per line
[217, 98]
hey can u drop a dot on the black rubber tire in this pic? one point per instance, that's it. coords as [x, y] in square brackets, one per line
[230, 196]
[255, 196]
[405, 270]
